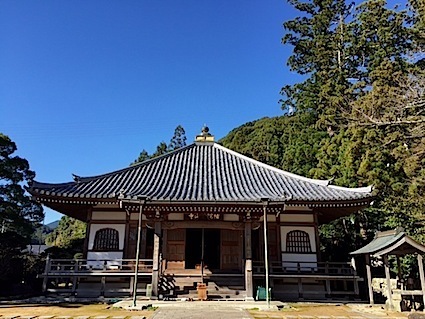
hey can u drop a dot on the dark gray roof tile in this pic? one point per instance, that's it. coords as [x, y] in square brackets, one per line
[203, 172]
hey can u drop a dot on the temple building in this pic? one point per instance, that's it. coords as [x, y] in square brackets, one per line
[199, 214]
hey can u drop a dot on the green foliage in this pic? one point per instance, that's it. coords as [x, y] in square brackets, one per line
[363, 81]
[286, 142]
[178, 140]
[19, 215]
[358, 117]
[69, 231]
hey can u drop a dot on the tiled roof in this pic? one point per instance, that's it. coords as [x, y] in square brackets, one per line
[202, 172]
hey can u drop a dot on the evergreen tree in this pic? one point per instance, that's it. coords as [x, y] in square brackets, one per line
[161, 149]
[178, 140]
[375, 124]
[143, 156]
[320, 52]
[19, 215]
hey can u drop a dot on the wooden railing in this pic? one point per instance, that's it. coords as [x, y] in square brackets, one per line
[78, 267]
[306, 268]
[335, 276]
[63, 275]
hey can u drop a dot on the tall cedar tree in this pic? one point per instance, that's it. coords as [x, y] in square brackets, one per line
[357, 116]
[18, 213]
[320, 51]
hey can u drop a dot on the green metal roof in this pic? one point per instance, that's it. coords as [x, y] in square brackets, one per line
[391, 242]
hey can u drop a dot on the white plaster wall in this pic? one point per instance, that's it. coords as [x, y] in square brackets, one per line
[95, 227]
[301, 218]
[231, 217]
[95, 258]
[306, 260]
[284, 230]
[99, 215]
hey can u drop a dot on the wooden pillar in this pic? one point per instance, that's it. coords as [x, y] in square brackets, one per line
[164, 249]
[355, 282]
[388, 280]
[421, 275]
[46, 274]
[75, 278]
[248, 262]
[399, 273]
[103, 280]
[369, 279]
[126, 252]
[86, 239]
[143, 242]
[155, 266]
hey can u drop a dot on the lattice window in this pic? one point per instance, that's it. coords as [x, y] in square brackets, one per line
[106, 239]
[298, 241]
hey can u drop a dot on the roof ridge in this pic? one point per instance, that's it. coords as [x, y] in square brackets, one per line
[321, 182]
[364, 189]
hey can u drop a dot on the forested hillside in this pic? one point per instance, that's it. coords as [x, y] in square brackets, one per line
[359, 115]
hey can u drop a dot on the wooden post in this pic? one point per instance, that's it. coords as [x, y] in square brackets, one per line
[86, 238]
[421, 275]
[327, 281]
[164, 250]
[355, 282]
[300, 288]
[266, 255]
[74, 278]
[399, 274]
[248, 263]
[388, 279]
[143, 242]
[131, 286]
[46, 274]
[103, 280]
[300, 283]
[369, 279]
[155, 266]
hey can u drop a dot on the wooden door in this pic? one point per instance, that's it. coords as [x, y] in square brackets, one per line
[231, 249]
[175, 248]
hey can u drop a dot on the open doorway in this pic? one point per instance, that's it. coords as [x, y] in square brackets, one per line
[193, 249]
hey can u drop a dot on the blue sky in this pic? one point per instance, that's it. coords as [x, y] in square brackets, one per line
[86, 85]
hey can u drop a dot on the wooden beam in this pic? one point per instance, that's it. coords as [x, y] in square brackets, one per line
[421, 275]
[369, 279]
[388, 280]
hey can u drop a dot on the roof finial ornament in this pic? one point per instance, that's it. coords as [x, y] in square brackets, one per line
[205, 135]
[76, 178]
[205, 130]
